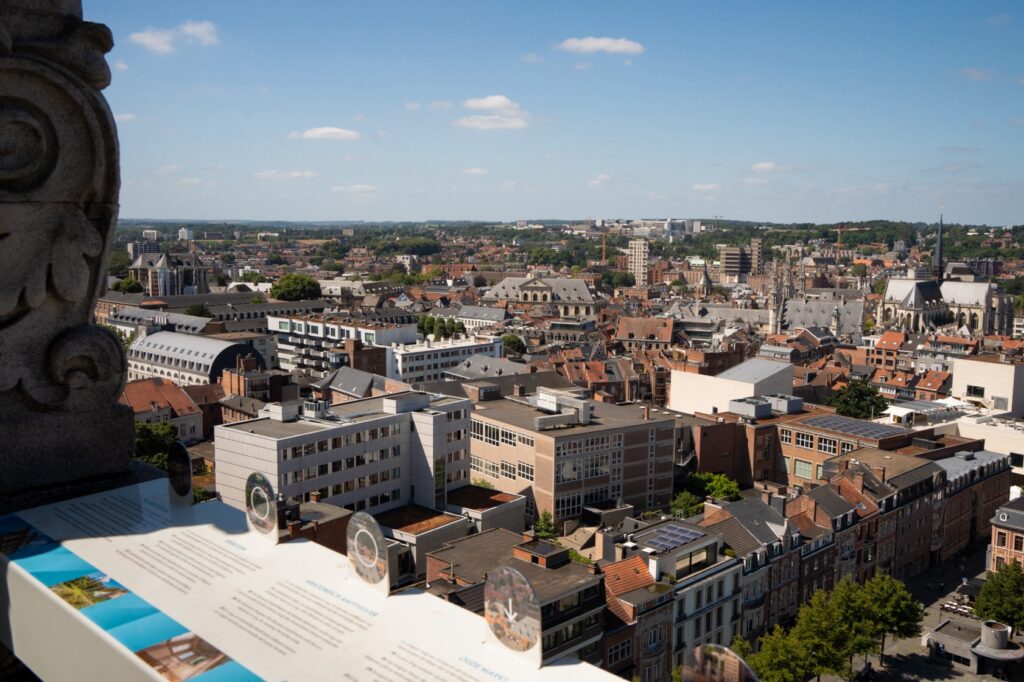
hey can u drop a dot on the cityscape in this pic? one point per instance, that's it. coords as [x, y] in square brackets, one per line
[740, 429]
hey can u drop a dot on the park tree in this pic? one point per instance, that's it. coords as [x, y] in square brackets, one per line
[783, 657]
[545, 526]
[890, 608]
[860, 400]
[153, 442]
[1002, 597]
[295, 287]
[859, 270]
[513, 343]
[253, 277]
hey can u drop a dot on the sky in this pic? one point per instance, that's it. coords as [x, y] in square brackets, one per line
[787, 112]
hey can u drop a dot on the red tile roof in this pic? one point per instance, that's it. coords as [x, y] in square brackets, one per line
[145, 395]
[891, 341]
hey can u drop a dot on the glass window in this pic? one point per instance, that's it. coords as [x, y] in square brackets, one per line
[802, 468]
[827, 445]
[804, 440]
[786, 436]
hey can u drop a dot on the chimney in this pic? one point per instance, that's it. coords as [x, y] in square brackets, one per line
[293, 528]
[528, 536]
[314, 496]
[647, 412]
[519, 390]
[593, 568]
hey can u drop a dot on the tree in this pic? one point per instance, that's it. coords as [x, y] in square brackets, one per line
[253, 277]
[783, 657]
[120, 261]
[460, 328]
[687, 504]
[545, 526]
[879, 286]
[859, 270]
[890, 607]
[824, 633]
[860, 400]
[127, 286]
[513, 343]
[1002, 597]
[198, 310]
[718, 486]
[295, 287]
[483, 483]
[256, 300]
[153, 442]
[449, 328]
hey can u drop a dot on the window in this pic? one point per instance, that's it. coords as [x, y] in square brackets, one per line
[786, 436]
[802, 468]
[827, 445]
[526, 440]
[1000, 539]
[847, 447]
[508, 469]
[620, 651]
[526, 471]
[818, 472]
[975, 391]
[804, 440]
[787, 462]
[1018, 542]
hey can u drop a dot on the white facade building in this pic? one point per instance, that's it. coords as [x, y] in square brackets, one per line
[374, 454]
[639, 254]
[427, 361]
[987, 381]
[690, 393]
[298, 335]
[186, 234]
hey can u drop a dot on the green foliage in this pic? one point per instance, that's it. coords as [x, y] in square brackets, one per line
[417, 246]
[120, 261]
[513, 343]
[617, 279]
[687, 504]
[198, 310]
[718, 486]
[482, 483]
[859, 270]
[256, 300]
[579, 558]
[783, 657]
[824, 632]
[222, 280]
[860, 400]
[275, 259]
[127, 286]
[295, 287]
[545, 526]
[202, 495]
[879, 286]
[1002, 596]
[253, 277]
[890, 609]
[153, 441]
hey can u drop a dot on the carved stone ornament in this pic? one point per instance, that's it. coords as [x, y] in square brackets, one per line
[60, 375]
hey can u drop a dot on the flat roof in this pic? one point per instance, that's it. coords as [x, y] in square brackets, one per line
[413, 519]
[895, 464]
[754, 370]
[603, 416]
[272, 428]
[479, 498]
[849, 426]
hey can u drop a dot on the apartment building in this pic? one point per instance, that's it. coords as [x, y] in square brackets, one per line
[159, 400]
[639, 255]
[638, 623]
[564, 452]
[976, 485]
[572, 602]
[374, 454]
[429, 360]
[1007, 535]
[318, 345]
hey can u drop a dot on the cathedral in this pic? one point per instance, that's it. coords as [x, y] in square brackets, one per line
[925, 305]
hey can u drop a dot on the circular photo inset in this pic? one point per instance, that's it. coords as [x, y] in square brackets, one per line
[716, 663]
[259, 503]
[511, 608]
[179, 469]
[367, 548]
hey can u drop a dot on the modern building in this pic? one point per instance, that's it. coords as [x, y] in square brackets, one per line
[135, 249]
[429, 360]
[565, 453]
[737, 262]
[572, 603]
[186, 234]
[639, 255]
[317, 344]
[991, 381]
[161, 400]
[185, 359]
[691, 393]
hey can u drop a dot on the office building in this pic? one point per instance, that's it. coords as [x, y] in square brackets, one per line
[565, 453]
[639, 253]
[429, 360]
[318, 344]
[186, 234]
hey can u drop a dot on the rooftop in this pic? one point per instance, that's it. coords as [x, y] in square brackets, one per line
[479, 498]
[414, 520]
[755, 370]
[849, 426]
[603, 416]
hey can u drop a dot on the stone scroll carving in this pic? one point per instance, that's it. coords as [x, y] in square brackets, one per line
[60, 375]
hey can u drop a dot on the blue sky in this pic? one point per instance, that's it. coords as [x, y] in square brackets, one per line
[480, 110]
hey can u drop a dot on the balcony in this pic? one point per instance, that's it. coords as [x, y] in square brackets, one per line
[650, 650]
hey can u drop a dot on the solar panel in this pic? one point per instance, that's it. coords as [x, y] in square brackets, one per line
[672, 536]
[855, 427]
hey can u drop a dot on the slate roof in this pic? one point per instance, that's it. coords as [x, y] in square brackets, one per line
[736, 536]
[912, 293]
[479, 366]
[190, 324]
[799, 313]
[966, 293]
[352, 382]
[829, 501]
[563, 290]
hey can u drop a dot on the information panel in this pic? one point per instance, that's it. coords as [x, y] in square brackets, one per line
[130, 584]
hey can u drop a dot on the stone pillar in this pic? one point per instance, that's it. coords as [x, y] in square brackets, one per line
[62, 432]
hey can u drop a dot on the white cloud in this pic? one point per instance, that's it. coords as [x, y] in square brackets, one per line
[440, 105]
[975, 74]
[591, 44]
[531, 58]
[120, 66]
[706, 187]
[165, 40]
[325, 133]
[355, 189]
[765, 166]
[167, 169]
[125, 117]
[755, 181]
[474, 171]
[412, 106]
[507, 114]
[284, 175]
[581, 66]
[598, 180]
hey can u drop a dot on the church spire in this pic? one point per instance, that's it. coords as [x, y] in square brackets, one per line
[937, 260]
